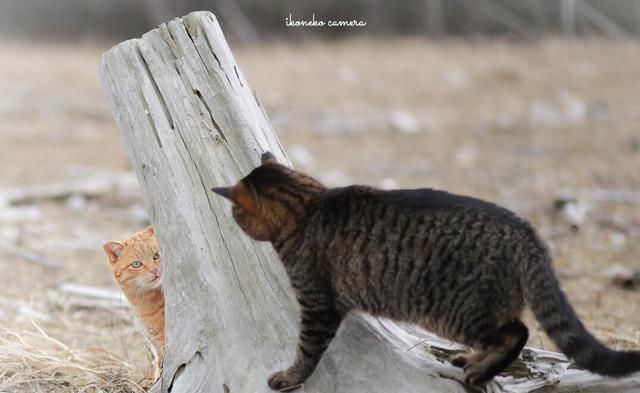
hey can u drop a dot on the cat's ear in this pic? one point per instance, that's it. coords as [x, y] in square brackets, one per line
[149, 231]
[239, 195]
[113, 250]
[267, 157]
[223, 191]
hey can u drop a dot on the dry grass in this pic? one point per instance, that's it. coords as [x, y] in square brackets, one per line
[33, 361]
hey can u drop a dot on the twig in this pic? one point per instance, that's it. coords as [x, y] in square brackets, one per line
[124, 183]
[95, 293]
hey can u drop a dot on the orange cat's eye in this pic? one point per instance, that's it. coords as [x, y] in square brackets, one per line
[136, 264]
[156, 256]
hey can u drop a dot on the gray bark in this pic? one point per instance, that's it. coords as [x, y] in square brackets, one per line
[190, 122]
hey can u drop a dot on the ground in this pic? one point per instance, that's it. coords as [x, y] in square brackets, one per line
[521, 124]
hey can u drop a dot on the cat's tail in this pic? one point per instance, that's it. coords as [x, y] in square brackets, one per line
[552, 309]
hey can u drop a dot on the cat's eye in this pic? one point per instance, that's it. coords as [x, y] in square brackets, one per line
[156, 256]
[136, 264]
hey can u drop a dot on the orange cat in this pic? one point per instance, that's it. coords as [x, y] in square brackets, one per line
[135, 263]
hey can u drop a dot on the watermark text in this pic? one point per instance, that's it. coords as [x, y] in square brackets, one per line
[290, 21]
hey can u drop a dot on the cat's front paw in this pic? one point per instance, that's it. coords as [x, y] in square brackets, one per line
[284, 381]
[460, 360]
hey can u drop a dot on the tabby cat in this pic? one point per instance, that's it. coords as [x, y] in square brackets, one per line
[135, 263]
[458, 266]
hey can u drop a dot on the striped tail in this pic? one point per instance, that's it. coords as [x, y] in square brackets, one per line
[552, 309]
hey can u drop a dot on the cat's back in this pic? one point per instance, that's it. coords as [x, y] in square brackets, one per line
[421, 201]
[410, 240]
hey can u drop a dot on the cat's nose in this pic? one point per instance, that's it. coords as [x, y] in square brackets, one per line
[154, 270]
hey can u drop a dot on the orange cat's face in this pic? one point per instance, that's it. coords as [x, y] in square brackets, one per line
[135, 262]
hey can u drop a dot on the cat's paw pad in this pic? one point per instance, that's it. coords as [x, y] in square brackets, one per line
[283, 381]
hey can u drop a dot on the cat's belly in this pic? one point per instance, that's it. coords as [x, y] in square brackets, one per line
[389, 308]
[370, 299]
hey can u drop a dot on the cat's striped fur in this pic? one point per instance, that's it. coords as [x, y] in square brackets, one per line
[458, 266]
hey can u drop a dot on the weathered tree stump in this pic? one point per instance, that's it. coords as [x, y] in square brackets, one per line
[190, 122]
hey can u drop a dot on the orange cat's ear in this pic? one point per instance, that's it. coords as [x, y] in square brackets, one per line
[113, 250]
[149, 231]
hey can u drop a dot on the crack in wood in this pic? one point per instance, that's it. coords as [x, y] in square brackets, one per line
[206, 39]
[156, 88]
[167, 36]
[255, 97]
[194, 34]
[163, 104]
[175, 376]
[197, 50]
[235, 68]
[198, 94]
[197, 356]
[213, 121]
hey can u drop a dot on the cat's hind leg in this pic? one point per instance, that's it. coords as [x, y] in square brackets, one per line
[460, 360]
[493, 354]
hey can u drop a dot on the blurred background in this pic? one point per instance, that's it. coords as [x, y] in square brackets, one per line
[532, 104]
